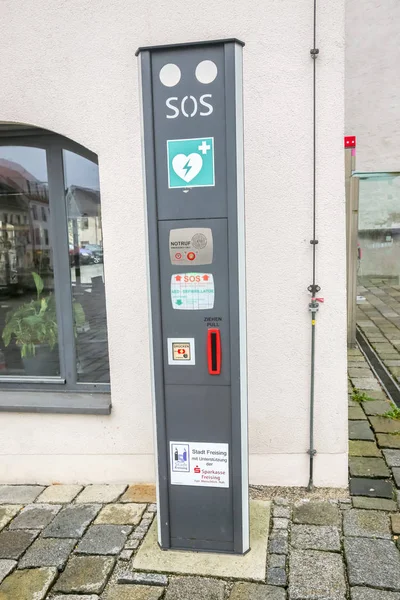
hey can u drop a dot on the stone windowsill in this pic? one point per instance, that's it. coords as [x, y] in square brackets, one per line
[55, 402]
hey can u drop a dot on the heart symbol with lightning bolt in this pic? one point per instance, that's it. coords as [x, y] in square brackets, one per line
[187, 167]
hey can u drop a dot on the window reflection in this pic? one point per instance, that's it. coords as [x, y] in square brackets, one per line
[87, 272]
[28, 323]
[379, 229]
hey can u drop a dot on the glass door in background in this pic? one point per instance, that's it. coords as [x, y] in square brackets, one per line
[378, 261]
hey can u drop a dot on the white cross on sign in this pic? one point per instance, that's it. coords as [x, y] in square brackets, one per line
[204, 147]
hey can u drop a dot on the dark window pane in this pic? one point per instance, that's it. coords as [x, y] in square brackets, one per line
[87, 272]
[28, 323]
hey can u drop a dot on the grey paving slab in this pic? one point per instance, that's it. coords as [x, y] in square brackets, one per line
[278, 544]
[374, 563]
[35, 516]
[360, 430]
[388, 440]
[360, 466]
[356, 413]
[104, 539]
[157, 579]
[387, 356]
[281, 511]
[276, 576]
[251, 566]
[395, 521]
[374, 503]
[47, 552]
[316, 575]
[277, 560]
[376, 407]
[386, 348]
[100, 494]
[366, 523]
[72, 521]
[8, 512]
[187, 588]
[19, 494]
[375, 394]
[395, 371]
[6, 567]
[384, 425]
[132, 592]
[255, 591]
[59, 494]
[30, 584]
[358, 448]
[315, 537]
[316, 513]
[362, 593]
[132, 544]
[121, 514]
[14, 543]
[396, 476]
[280, 523]
[365, 383]
[358, 372]
[85, 574]
[376, 488]
[392, 457]
[353, 352]
[76, 597]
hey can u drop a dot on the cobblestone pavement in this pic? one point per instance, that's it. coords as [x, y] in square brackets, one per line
[69, 542]
[378, 316]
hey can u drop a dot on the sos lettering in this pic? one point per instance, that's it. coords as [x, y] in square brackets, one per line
[192, 278]
[189, 106]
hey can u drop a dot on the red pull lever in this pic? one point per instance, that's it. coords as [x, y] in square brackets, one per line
[214, 351]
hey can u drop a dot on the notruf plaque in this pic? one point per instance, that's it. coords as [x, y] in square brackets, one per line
[191, 246]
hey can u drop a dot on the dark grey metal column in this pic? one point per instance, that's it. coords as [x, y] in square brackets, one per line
[193, 158]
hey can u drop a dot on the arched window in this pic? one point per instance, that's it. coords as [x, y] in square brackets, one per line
[53, 325]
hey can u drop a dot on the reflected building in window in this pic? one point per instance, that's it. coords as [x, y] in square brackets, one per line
[23, 244]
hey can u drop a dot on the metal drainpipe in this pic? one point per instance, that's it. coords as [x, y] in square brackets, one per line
[313, 288]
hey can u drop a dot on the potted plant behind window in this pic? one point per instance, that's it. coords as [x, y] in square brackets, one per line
[33, 326]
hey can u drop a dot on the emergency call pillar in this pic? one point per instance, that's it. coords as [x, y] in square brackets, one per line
[193, 159]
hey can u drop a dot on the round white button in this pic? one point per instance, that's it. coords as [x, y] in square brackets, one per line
[170, 75]
[206, 71]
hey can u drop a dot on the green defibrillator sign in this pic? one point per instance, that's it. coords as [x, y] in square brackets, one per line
[191, 163]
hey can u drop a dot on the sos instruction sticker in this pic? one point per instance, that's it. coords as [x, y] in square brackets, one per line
[191, 245]
[192, 291]
[199, 464]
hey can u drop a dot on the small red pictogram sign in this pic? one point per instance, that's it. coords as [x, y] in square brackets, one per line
[205, 278]
[197, 469]
[178, 278]
[178, 256]
[350, 141]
